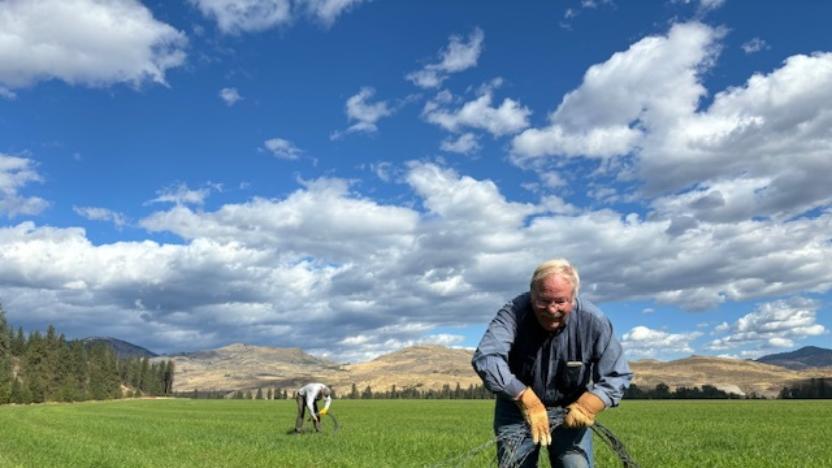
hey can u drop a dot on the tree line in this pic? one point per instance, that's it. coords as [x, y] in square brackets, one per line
[472, 392]
[36, 368]
[808, 389]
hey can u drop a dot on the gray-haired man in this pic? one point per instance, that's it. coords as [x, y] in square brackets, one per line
[550, 348]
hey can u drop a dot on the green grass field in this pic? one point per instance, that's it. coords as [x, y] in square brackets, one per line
[169, 433]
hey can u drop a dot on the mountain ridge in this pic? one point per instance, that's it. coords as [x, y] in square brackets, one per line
[426, 367]
[804, 358]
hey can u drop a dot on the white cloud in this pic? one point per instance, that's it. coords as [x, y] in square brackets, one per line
[709, 5]
[93, 43]
[230, 96]
[102, 214]
[180, 194]
[642, 341]
[556, 205]
[364, 113]
[240, 16]
[327, 11]
[772, 325]
[509, 118]
[15, 173]
[758, 150]
[465, 144]
[367, 268]
[456, 57]
[754, 45]
[655, 79]
[765, 144]
[283, 149]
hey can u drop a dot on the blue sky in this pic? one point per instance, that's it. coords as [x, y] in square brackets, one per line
[352, 177]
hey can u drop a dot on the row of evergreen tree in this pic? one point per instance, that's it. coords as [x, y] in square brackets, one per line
[809, 389]
[39, 368]
[473, 392]
[663, 392]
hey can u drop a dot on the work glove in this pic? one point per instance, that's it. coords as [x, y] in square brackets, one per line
[323, 412]
[535, 414]
[582, 412]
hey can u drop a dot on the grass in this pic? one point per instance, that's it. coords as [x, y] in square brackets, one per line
[172, 433]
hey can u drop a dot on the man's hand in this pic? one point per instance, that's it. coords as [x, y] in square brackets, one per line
[582, 412]
[535, 414]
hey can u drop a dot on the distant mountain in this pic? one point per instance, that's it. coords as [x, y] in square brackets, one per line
[730, 375]
[122, 348]
[424, 367]
[803, 358]
[246, 367]
[241, 366]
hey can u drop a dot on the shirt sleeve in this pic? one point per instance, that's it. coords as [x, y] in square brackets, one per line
[612, 374]
[491, 357]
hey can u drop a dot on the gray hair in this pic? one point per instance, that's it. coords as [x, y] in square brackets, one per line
[560, 267]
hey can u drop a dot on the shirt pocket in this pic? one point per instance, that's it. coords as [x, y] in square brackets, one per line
[572, 376]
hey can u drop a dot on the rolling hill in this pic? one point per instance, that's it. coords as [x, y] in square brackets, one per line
[245, 367]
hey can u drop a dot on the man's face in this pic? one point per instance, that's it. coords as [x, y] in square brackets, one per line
[552, 302]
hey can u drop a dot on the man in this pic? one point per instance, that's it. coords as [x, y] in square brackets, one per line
[550, 348]
[308, 397]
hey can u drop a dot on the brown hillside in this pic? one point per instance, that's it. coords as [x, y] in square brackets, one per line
[245, 367]
[732, 375]
[241, 366]
[424, 367]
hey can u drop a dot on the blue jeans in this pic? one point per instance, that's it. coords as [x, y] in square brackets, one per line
[571, 448]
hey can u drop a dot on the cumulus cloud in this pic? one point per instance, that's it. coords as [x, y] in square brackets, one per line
[282, 149]
[276, 268]
[364, 113]
[642, 341]
[15, 173]
[655, 79]
[230, 96]
[465, 144]
[180, 194]
[760, 149]
[459, 55]
[754, 45]
[101, 214]
[328, 11]
[241, 16]
[510, 117]
[93, 43]
[772, 325]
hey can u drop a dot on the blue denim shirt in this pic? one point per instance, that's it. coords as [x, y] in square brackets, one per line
[516, 352]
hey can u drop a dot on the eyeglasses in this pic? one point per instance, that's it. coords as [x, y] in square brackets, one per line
[545, 304]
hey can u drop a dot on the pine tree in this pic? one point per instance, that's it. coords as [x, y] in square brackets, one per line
[367, 394]
[144, 375]
[77, 380]
[259, 395]
[19, 343]
[5, 359]
[168, 377]
[35, 368]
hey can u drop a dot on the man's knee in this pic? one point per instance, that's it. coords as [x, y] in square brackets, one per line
[571, 459]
